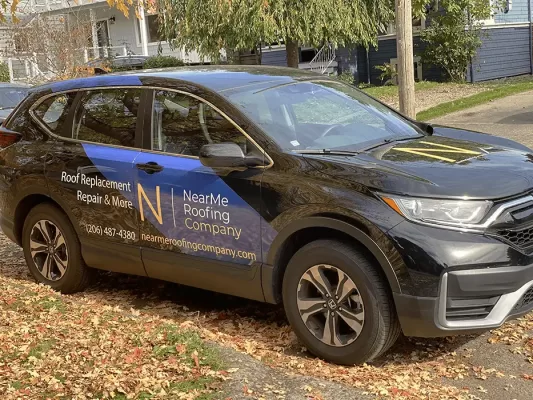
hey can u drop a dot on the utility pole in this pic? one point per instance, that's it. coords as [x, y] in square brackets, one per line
[404, 47]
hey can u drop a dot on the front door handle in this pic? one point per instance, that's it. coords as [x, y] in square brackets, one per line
[150, 167]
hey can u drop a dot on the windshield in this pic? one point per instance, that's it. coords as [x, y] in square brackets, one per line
[317, 115]
[11, 96]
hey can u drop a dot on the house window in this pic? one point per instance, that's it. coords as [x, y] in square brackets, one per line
[21, 42]
[152, 29]
[419, 24]
[417, 68]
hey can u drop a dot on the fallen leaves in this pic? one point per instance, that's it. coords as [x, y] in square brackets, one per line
[92, 350]
[123, 340]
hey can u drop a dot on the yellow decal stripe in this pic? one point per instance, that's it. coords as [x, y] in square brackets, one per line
[453, 148]
[435, 150]
[413, 151]
[443, 149]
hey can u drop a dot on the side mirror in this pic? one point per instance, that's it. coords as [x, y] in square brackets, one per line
[227, 155]
[426, 127]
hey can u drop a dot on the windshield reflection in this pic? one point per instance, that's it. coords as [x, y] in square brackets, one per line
[321, 114]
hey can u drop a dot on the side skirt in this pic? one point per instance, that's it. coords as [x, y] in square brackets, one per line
[217, 276]
[114, 257]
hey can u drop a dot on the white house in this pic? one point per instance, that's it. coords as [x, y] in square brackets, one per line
[113, 34]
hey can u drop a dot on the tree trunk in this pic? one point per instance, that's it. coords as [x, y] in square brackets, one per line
[292, 53]
[404, 44]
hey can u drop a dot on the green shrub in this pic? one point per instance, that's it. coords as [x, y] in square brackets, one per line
[163, 62]
[346, 77]
[4, 72]
[364, 85]
[455, 33]
[451, 47]
[388, 73]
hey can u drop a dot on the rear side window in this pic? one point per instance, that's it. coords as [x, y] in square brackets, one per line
[107, 116]
[53, 111]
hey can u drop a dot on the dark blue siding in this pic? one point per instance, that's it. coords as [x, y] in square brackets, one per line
[383, 54]
[347, 60]
[274, 57]
[429, 72]
[504, 52]
[385, 51]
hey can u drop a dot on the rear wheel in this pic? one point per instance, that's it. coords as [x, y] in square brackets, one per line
[52, 250]
[338, 303]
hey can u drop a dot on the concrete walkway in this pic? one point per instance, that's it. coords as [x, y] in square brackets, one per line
[510, 117]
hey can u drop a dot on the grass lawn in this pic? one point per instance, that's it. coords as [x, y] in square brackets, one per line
[382, 92]
[495, 90]
[463, 95]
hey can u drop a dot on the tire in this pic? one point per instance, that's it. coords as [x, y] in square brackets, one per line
[370, 299]
[62, 268]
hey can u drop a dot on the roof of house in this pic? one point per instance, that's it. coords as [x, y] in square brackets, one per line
[216, 77]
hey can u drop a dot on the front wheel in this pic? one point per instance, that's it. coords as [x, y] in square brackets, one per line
[338, 303]
[52, 250]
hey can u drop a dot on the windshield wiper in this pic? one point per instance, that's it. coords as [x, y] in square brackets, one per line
[327, 151]
[389, 140]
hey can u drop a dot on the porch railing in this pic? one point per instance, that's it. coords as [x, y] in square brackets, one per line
[323, 59]
[104, 52]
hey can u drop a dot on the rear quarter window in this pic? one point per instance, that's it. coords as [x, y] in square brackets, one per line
[53, 111]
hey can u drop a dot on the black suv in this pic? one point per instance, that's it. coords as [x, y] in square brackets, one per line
[276, 185]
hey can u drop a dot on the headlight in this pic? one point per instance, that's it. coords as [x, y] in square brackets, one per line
[459, 213]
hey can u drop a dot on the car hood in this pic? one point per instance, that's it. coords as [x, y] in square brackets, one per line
[4, 113]
[437, 166]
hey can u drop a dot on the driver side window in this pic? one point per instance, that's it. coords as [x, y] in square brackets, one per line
[182, 124]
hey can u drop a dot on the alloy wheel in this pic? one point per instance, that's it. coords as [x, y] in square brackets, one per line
[330, 305]
[49, 250]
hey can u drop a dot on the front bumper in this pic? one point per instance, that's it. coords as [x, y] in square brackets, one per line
[469, 301]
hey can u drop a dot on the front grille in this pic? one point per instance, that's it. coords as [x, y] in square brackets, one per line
[468, 309]
[522, 238]
[515, 225]
[525, 300]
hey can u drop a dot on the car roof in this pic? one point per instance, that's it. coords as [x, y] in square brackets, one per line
[14, 85]
[214, 77]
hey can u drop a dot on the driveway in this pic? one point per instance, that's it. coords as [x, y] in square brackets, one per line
[510, 117]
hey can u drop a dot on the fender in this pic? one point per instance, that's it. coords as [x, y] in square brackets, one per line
[45, 193]
[270, 270]
[484, 138]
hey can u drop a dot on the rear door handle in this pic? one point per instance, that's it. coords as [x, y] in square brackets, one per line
[150, 167]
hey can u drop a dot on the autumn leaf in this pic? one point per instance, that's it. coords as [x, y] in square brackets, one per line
[194, 356]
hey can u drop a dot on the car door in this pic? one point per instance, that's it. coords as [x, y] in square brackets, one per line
[90, 172]
[199, 226]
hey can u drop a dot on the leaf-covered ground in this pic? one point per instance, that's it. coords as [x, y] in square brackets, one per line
[131, 337]
[58, 347]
